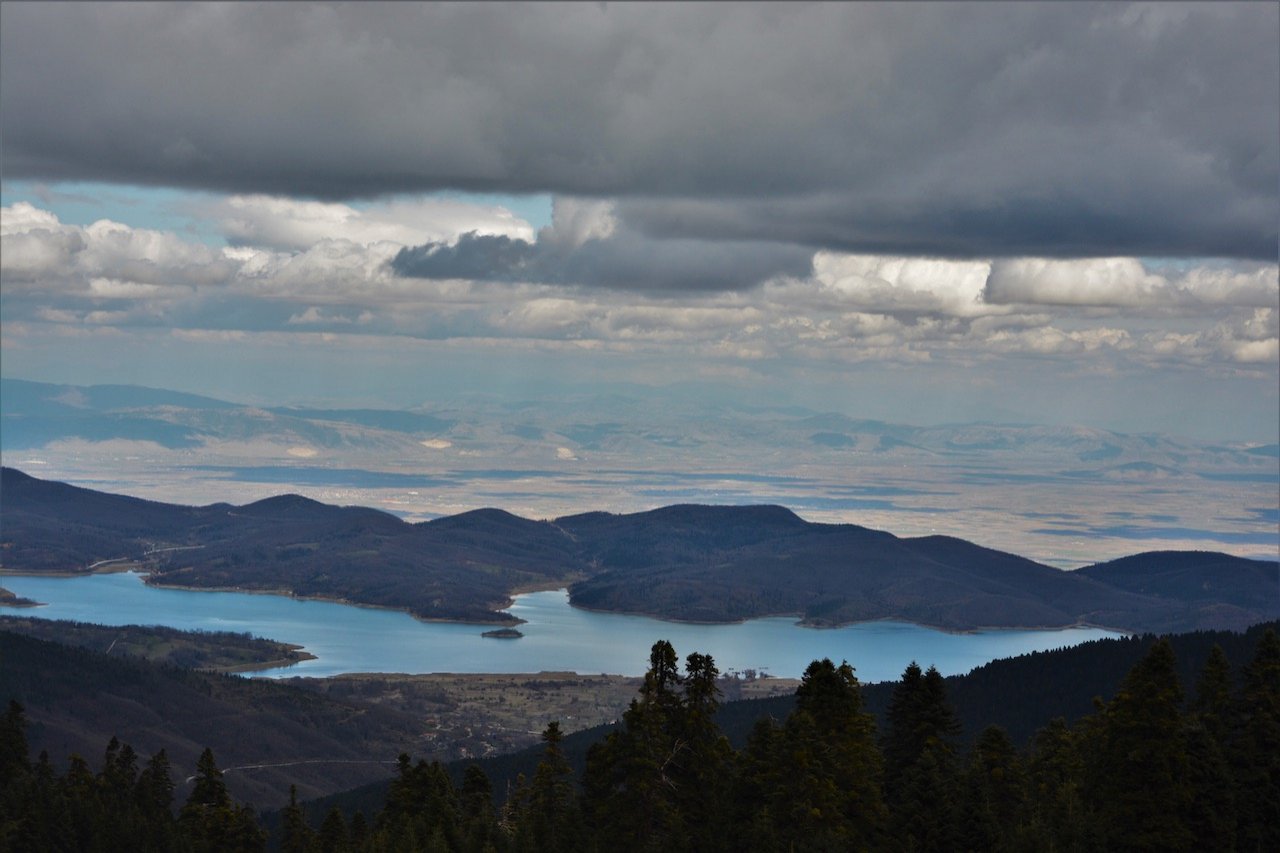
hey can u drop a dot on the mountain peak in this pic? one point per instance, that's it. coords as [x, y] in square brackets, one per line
[770, 515]
[288, 506]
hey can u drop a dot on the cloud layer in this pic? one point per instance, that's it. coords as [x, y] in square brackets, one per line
[584, 245]
[585, 281]
[978, 202]
[956, 130]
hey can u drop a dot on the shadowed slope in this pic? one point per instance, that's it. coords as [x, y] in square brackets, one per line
[703, 563]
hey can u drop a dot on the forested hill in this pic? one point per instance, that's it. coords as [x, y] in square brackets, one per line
[77, 699]
[1177, 755]
[1191, 576]
[705, 563]
[1021, 695]
[950, 758]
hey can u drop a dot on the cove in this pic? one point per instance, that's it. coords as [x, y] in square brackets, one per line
[557, 636]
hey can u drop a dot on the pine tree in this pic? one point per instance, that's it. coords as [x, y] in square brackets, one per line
[421, 805]
[83, 809]
[15, 776]
[648, 778]
[700, 772]
[46, 824]
[927, 813]
[547, 816]
[211, 821]
[154, 789]
[296, 835]
[1256, 750]
[1211, 817]
[333, 836]
[441, 807]
[479, 824]
[902, 742]
[1060, 819]
[358, 831]
[55, 829]
[831, 698]
[813, 783]
[921, 773]
[627, 793]
[209, 790]
[402, 796]
[994, 794]
[121, 822]
[1213, 704]
[760, 791]
[1138, 776]
[1211, 812]
[153, 796]
[15, 762]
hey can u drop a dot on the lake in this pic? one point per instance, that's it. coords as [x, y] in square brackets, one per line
[557, 637]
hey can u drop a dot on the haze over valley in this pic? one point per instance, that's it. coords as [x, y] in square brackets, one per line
[1066, 496]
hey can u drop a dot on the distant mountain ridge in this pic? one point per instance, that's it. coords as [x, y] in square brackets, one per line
[686, 562]
[35, 414]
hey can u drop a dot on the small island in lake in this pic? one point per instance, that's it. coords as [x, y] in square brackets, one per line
[503, 634]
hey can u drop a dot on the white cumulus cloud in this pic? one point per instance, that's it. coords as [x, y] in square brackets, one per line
[906, 284]
[1127, 283]
[296, 225]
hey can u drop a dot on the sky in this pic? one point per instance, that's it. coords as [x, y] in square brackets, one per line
[1052, 213]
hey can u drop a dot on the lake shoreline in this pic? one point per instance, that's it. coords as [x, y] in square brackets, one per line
[554, 586]
[560, 636]
[300, 654]
[138, 569]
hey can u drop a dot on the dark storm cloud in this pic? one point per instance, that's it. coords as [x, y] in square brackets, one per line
[474, 256]
[954, 129]
[973, 227]
[624, 261]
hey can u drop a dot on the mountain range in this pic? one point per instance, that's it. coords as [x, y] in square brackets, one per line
[684, 562]
[36, 414]
[1066, 495]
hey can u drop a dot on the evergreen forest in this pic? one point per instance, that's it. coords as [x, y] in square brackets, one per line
[1157, 767]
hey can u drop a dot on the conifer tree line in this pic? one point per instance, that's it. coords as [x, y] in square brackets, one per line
[1152, 769]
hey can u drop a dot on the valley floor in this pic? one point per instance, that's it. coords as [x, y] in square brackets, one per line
[478, 715]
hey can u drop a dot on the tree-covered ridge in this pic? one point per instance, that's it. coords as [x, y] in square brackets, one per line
[217, 651]
[703, 563]
[1155, 768]
[77, 699]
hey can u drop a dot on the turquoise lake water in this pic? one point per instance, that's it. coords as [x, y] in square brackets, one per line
[557, 637]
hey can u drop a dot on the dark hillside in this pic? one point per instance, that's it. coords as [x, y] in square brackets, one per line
[461, 569]
[702, 563]
[1187, 575]
[1020, 694]
[76, 700]
[1214, 589]
[680, 534]
[495, 536]
[24, 496]
[829, 574]
[49, 526]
